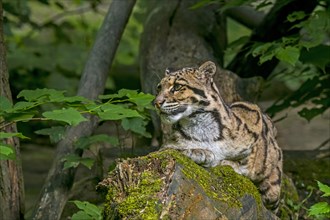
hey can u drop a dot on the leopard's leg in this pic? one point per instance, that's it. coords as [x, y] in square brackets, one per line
[270, 189]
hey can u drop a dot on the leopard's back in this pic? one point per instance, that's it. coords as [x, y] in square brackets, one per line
[263, 165]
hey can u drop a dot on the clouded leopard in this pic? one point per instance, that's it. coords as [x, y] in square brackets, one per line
[212, 132]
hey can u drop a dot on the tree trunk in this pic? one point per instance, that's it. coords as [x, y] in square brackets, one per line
[273, 27]
[11, 177]
[168, 185]
[55, 192]
[179, 37]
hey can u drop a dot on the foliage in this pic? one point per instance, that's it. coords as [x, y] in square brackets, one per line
[48, 41]
[127, 106]
[299, 55]
[6, 151]
[88, 211]
[44, 36]
[321, 210]
[314, 90]
[291, 209]
[309, 50]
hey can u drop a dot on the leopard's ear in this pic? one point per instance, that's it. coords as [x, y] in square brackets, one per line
[207, 69]
[169, 71]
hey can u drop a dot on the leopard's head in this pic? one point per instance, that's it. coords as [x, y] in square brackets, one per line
[185, 91]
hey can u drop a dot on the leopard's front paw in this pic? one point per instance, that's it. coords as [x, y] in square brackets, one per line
[200, 156]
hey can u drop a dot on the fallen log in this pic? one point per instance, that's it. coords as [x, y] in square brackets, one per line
[168, 185]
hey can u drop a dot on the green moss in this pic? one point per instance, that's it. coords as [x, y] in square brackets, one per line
[235, 185]
[141, 201]
[220, 183]
[140, 198]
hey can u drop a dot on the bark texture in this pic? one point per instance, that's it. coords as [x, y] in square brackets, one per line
[11, 177]
[179, 37]
[168, 185]
[55, 192]
[273, 27]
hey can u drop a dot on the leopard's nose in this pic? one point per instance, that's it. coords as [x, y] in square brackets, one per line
[158, 102]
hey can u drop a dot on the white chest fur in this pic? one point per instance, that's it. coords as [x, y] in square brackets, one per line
[202, 127]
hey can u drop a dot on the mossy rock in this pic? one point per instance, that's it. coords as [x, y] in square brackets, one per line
[168, 185]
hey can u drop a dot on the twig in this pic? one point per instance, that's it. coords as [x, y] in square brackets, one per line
[29, 119]
[74, 11]
[323, 144]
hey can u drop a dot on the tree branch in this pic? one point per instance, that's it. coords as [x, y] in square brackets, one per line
[75, 11]
[55, 192]
[246, 15]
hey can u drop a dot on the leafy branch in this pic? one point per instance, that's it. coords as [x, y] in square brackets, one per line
[321, 210]
[127, 106]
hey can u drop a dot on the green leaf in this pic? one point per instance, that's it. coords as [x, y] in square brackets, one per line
[72, 161]
[315, 29]
[85, 142]
[261, 48]
[92, 106]
[319, 209]
[4, 135]
[87, 162]
[288, 54]
[141, 100]
[50, 95]
[324, 188]
[265, 51]
[6, 152]
[117, 112]
[19, 106]
[55, 133]
[127, 92]
[266, 57]
[137, 125]
[313, 89]
[296, 15]
[88, 211]
[5, 104]
[69, 115]
[37, 94]
[81, 215]
[18, 116]
[309, 114]
[318, 56]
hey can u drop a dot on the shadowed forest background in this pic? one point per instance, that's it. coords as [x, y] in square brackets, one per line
[280, 49]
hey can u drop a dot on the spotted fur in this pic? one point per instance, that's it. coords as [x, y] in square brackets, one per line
[211, 132]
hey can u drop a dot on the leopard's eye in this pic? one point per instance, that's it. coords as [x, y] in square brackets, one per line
[176, 88]
[159, 87]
